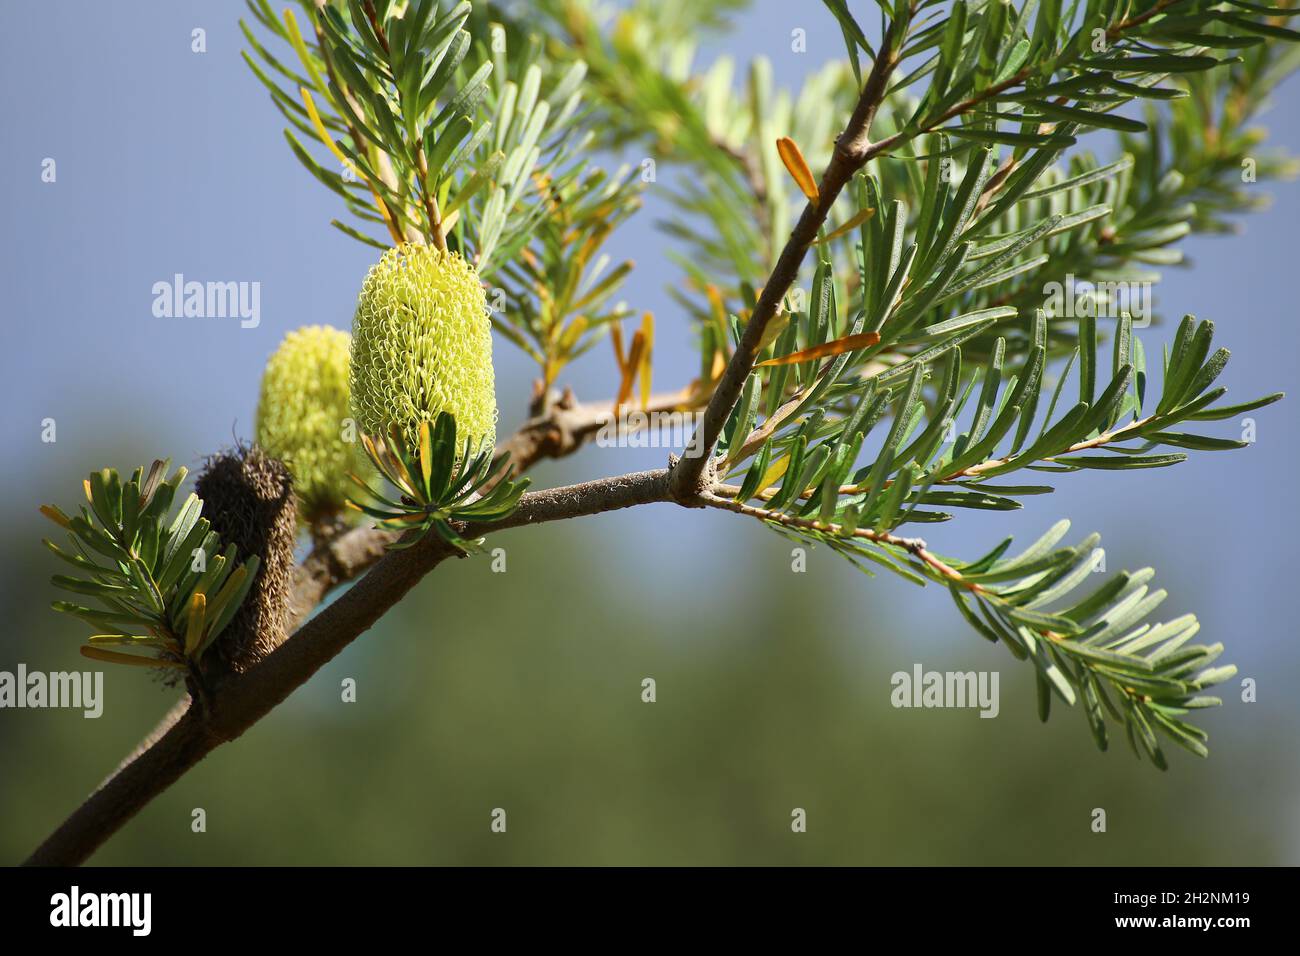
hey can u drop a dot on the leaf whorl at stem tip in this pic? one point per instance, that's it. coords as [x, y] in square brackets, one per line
[249, 498]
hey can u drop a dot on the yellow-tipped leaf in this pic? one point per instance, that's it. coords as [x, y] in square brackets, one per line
[797, 167]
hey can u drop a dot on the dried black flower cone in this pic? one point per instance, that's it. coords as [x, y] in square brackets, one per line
[249, 498]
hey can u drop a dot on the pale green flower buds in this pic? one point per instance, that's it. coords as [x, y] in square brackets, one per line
[422, 344]
[303, 417]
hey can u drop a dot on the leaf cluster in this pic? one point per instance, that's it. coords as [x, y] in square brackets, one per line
[438, 483]
[167, 585]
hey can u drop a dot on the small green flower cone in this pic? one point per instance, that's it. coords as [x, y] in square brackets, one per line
[303, 418]
[422, 344]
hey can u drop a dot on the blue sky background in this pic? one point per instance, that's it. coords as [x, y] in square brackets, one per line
[169, 161]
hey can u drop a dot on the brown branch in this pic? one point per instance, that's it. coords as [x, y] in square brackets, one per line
[331, 563]
[692, 475]
[566, 425]
[242, 700]
[340, 555]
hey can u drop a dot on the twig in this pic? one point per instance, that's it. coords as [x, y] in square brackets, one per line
[1129, 431]
[430, 201]
[566, 425]
[724, 499]
[851, 153]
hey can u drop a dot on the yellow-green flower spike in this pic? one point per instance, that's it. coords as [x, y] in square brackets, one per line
[303, 417]
[422, 344]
